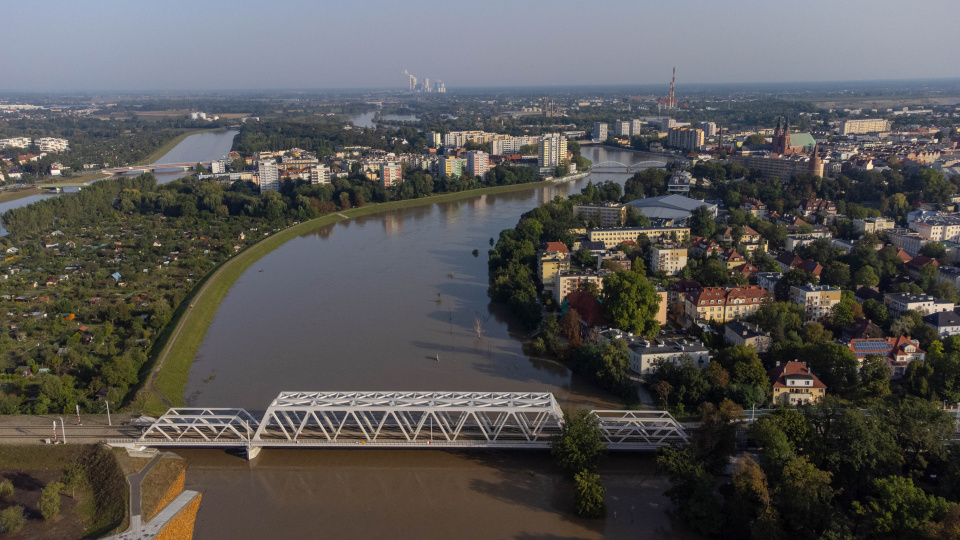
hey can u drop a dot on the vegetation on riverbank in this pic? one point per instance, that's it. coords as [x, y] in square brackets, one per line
[14, 194]
[92, 489]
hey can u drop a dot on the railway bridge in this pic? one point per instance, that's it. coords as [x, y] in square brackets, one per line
[508, 420]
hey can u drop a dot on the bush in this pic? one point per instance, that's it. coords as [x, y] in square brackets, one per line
[588, 497]
[6, 489]
[50, 500]
[12, 519]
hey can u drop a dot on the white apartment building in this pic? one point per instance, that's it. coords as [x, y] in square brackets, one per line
[599, 131]
[15, 142]
[552, 150]
[391, 173]
[924, 304]
[941, 228]
[50, 144]
[269, 175]
[320, 174]
[872, 225]
[645, 355]
[511, 145]
[433, 139]
[636, 126]
[668, 259]
[865, 125]
[218, 166]
[478, 163]
[622, 128]
[709, 128]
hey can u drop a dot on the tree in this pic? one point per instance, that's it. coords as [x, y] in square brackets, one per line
[803, 497]
[874, 377]
[934, 250]
[867, 277]
[50, 500]
[588, 496]
[662, 388]
[716, 440]
[631, 303]
[580, 443]
[919, 429]
[12, 519]
[570, 327]
[72, 476]
[899, 509]
[691, 488]
[6, 489]
[750, 498]
[702, 222]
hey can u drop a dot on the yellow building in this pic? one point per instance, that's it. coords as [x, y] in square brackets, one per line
[794, 384]
[817, 300]
[724, 304]
[668, 258]
[612, 238]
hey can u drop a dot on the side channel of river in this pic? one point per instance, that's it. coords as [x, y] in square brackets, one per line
[370, 304]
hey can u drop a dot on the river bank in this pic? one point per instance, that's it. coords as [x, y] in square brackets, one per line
[177, 348]
[12, 195]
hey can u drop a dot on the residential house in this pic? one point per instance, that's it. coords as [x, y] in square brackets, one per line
[812, 207]
[732, 259]
[768, 280]
[916, 265]
[645, 355]
[898, 352]
[946, 323]
[744, 333]
[794, 384]
[704, 247]
[924, 304]
[755, 207]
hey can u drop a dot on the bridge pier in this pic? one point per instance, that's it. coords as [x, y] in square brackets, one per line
[252, 452]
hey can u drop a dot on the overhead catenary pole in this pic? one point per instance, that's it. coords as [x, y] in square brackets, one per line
[63, 429]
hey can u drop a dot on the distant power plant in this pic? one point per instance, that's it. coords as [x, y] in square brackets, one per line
[424, 87]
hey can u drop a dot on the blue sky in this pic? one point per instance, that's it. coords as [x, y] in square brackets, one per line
[207, 45]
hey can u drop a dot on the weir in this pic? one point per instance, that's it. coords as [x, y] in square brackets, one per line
[508, 420]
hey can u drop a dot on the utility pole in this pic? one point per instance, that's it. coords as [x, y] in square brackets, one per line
[109, 423]
[54, 432]
[63, 429]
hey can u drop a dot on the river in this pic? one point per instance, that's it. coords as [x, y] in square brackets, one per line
[370, 304]
[366, 119]
[195, 148]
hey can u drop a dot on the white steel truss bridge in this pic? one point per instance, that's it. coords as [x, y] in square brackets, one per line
[510, 420]
[619, 165]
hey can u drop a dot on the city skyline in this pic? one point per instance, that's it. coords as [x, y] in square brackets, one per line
[335, 45]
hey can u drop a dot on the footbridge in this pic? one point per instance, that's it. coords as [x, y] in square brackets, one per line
[508, 420]
[611, 167]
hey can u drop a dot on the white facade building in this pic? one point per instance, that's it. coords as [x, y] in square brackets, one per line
[269, 175]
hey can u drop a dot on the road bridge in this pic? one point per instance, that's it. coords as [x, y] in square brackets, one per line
[507, 420]
[154, 167]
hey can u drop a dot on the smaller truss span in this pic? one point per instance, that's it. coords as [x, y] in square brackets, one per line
[202, 425]
[639, 430]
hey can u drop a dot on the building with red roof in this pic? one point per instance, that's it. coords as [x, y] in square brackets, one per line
[724, 304]
[898, 352]
[794, 384]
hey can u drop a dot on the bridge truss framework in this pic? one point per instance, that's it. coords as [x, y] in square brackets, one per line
[404, 420]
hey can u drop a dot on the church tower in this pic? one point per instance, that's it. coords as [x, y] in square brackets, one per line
[781, 137]
[816, 164]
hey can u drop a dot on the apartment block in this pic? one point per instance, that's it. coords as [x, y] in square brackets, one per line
[686, 138]
[269, 175]
[723, 304]
[478, 163]
[865, 125]
[612, 238]
[669, 259]
[551, 150]
[599, 131]
[391, 173]
[608, 214]
[924, 304]
[320, 174]
[873, 225]
[816, 300]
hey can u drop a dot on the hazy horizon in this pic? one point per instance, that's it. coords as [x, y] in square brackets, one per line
[177, 46]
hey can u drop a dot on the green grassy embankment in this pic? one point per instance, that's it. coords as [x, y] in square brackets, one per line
[177, 345]
[101, 501]
[12, 195]
[169, 145]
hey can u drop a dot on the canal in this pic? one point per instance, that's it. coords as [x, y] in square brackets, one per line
[372, 304]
